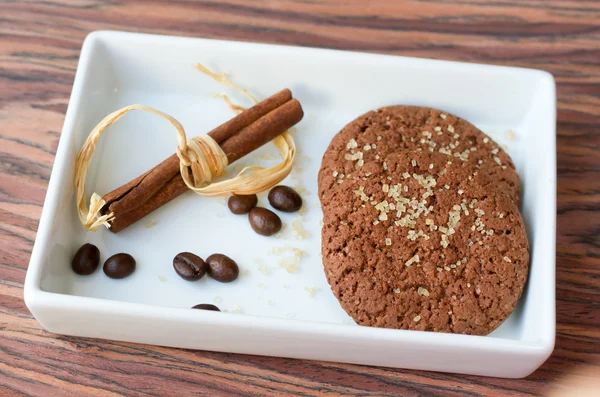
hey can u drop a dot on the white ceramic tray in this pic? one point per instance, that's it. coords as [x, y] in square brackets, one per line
[272, 311]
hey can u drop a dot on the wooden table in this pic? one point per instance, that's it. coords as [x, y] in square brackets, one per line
[39, 48]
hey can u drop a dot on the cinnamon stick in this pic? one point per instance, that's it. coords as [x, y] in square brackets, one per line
[170, 190]
[137, 191]
[239, 136]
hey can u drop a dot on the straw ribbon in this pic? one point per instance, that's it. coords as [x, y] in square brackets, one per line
[204, 157]
[201, 159]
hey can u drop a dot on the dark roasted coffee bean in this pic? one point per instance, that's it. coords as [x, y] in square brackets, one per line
[119, 266]
[189, 266]
[264, 221]
[242, 204]
[222, 268]
[207, 306]
[285, 198]
[86, 259]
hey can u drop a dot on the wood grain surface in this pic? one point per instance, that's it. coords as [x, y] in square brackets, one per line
[40, 43]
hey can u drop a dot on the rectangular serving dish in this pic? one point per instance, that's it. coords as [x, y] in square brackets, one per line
[281, 305]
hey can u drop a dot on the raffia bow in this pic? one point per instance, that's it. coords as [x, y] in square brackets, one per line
[201, 159]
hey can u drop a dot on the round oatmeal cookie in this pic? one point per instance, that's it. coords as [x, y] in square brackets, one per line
[423, 241]
[378, 133]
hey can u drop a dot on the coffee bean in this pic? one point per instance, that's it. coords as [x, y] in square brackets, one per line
[119, 266]
[207, 306]
[264, 221]
[189, 266]
[86, 259]
[285, 199]
[222, 268]
[242, 204]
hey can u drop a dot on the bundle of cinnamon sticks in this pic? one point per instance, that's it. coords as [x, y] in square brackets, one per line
[239, 136]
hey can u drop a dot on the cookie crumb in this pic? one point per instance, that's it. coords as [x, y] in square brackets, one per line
[150, 224]
[264, 269]
[299, 231]
[311, 291]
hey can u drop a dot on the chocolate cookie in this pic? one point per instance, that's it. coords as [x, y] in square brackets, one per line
[380, 132]
[424, 241]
